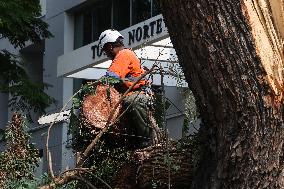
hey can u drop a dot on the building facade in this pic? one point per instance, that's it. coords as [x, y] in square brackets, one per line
[72, 56]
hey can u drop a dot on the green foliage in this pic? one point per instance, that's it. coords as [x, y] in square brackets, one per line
[107, 161]
[26, 95]
[160, 107]
[11, 71]
[191, 113]
[109, 155]
[20, 158]
[32, 183]
[22, 184]
[175, 71]
[88, 89]
[109, 80]
[80, 135]
[20, 22]
[70, 185]
[191, 142]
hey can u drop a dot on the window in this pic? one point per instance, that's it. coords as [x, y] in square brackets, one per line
[82, 30]
[121, 14]
[155, 8]
[117, 14]
[90, 22]
[141, 10]
[101, 16]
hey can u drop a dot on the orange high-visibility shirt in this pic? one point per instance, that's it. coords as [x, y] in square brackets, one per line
[127, 65]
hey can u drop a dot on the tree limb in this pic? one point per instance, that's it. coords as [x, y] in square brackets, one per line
[82, 156]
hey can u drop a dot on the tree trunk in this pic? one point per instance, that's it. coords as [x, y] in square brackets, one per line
[232, 56]
[158, 167]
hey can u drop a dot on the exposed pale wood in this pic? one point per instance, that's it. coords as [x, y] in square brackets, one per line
[268, 40]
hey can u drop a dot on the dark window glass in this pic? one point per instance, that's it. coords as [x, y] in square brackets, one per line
[78, 31]
[155, 8]
[77, 84]
[87, 28]
[83, 29]
[101, 18]
[91, 21]
[121, 14]
[141, 10]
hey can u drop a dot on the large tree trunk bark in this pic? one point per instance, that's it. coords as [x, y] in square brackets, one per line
[232, 56]
[158, 167]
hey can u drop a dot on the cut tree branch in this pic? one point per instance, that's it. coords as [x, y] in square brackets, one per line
[69, 175]
[82, 156]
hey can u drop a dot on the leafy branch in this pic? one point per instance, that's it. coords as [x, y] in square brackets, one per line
[26, 95]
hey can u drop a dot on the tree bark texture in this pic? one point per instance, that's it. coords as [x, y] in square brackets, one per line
[232, 56]
[151, 167]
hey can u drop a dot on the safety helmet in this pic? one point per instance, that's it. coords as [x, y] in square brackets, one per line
[108, 36]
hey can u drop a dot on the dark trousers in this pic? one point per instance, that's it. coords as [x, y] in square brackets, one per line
[137, 116]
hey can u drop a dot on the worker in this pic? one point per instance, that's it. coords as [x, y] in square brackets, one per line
[126, 67]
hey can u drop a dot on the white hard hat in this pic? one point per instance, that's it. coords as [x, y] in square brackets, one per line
[108, 36]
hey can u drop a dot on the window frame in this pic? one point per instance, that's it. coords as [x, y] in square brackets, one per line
[80, 12]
